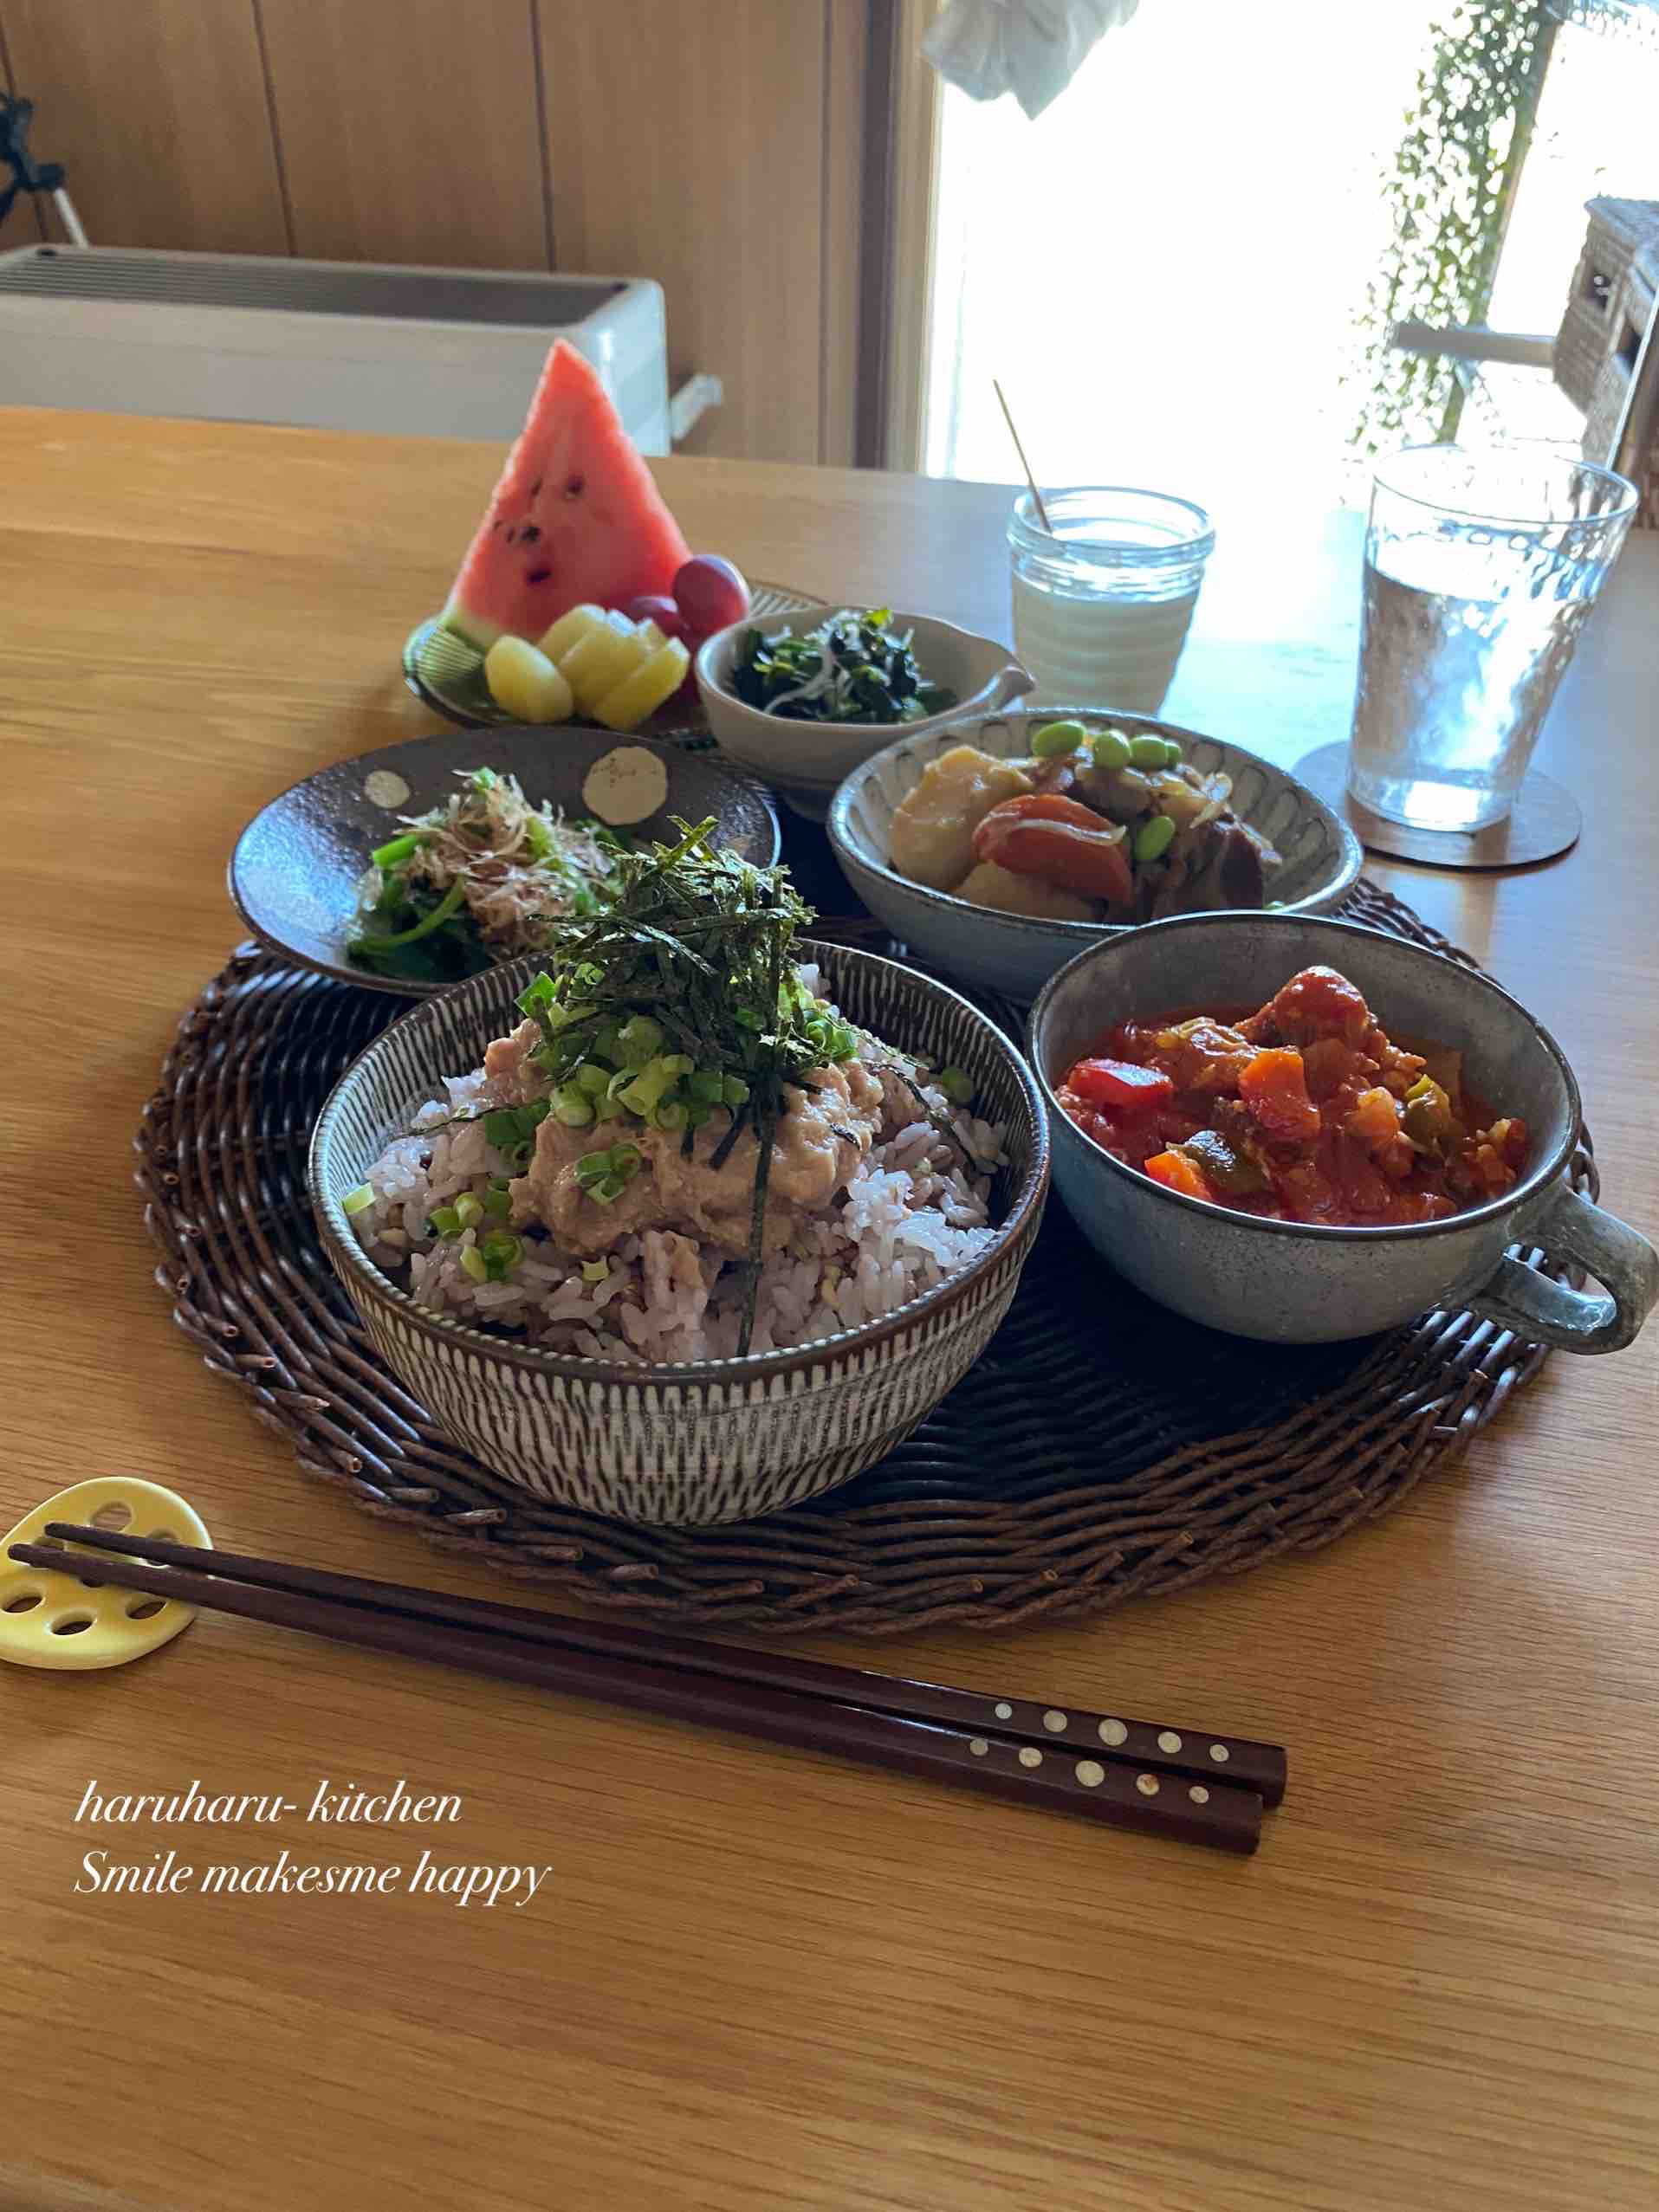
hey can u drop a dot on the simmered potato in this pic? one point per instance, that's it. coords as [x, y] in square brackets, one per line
[932, 833]
[989, 885]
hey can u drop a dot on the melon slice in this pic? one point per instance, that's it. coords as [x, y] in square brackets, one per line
[575, 517]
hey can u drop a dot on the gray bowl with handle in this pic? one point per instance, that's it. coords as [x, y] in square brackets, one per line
[1296, 1283]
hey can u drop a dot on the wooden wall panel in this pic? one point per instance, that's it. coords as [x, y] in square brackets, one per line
[410, 129]
[691, 150]
[157, 108]
[846, 64]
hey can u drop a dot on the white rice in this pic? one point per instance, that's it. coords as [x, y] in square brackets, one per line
[916, 1209]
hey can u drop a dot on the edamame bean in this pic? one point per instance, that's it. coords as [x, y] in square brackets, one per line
[1146, 753]
[1153, 839]
[1171, 754]
[1054, 739]
[1110, 749]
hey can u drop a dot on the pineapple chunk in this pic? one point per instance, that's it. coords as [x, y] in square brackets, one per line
[649, 687]
[526, 682]
[596, 664]
[570, 629]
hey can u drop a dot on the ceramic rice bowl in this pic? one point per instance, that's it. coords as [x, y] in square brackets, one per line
[720, 1439]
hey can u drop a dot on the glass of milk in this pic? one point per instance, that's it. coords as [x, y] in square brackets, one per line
[1103, 600]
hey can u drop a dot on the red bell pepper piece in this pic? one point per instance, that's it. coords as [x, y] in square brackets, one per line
[1119, 1082]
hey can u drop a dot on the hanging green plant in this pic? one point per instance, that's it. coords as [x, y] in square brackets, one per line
[1450, 191]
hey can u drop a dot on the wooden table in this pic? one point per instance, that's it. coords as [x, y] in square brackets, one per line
[752, 1978]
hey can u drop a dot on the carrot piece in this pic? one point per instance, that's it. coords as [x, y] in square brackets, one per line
[1059, 842]
[1273, 1087]
[1176, 1173]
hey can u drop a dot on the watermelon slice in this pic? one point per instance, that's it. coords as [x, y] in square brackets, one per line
[575, 516]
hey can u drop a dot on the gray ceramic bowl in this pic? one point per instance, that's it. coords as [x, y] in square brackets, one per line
[1009, 952]
[296, 867]
[1293, 1284]
[725, 1440]
[805, 761]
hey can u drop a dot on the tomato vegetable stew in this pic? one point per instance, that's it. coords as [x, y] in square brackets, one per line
[1303, 1111]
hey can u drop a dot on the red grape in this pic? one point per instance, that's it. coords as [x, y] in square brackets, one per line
[710, 594]
[651, 606]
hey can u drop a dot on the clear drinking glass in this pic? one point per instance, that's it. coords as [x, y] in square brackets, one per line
[1480, 569]
[1103, 601]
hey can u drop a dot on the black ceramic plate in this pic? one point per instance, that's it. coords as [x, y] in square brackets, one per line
[296, 871]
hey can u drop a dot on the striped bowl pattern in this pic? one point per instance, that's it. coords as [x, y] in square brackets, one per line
[1013, 952]
[723, 1440]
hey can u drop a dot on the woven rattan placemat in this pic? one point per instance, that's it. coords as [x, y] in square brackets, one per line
[1103, 1449]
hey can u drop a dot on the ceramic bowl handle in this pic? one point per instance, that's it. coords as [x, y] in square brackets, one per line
[1010, 682]
[1576, 1321]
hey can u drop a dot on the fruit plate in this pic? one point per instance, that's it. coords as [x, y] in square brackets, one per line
[295, 872]
[447, 674]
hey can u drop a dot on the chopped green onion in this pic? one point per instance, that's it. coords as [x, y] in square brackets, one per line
[670, 1114]
[475, 1264]
[626, 1161]
[497, 1206]
[595, 1270]
[445, 1221]
[608, 1190]
[639, 1038]
[677, 1064]
[573, 1106]
[697, 1115]
[650, 1086]
[484, 779]
[500, 1249]
[539, 993]
[529, 1118]
[356, 1201]
[957, 1085]
[469, 1211]
[734, 1091]
[518, 1155]
[592, 1166]
[592, 1079]
[708, 1087]
[500, 1127]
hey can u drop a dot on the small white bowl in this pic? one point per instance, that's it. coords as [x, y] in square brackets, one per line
[805, 761]
[1012, 953]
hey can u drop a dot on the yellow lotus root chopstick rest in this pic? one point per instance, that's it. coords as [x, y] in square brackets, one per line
[58, 1620]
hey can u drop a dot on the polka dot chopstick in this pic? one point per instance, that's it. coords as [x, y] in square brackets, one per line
[1191, 1784]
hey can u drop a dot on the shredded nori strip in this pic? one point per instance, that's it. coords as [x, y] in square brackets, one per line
[699, 940]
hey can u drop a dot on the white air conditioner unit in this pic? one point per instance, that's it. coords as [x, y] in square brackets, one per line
[249, 337]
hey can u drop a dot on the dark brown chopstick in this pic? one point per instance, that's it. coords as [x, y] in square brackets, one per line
[1154, 1747]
